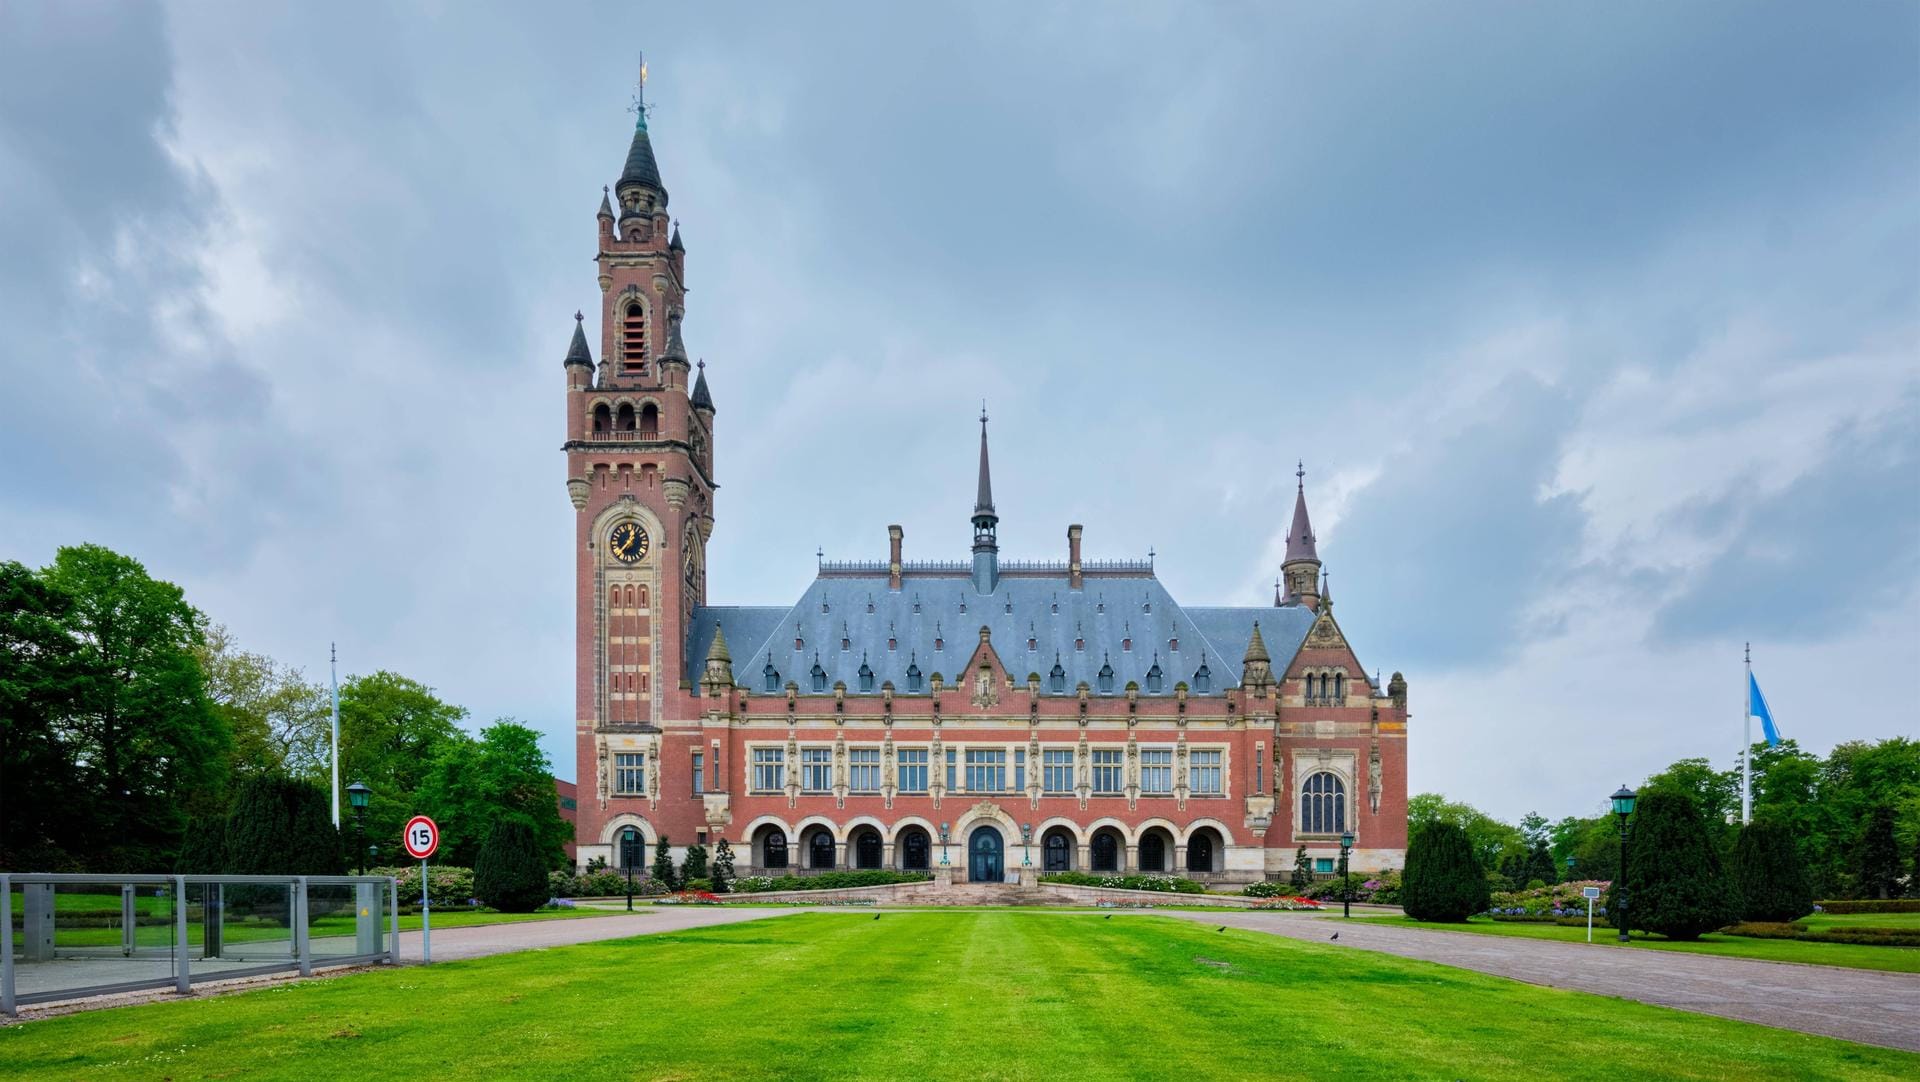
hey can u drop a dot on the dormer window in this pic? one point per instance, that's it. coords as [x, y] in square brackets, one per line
[1173, 644]
[939, 643]
[866, 677]
[819, 678]
[771, 676]
[913, 678]
[846, 643]
[1057, 679]
[1202, 679]
[1106, 678]
[893, 644]
[1009, 604]
[963, 606]
[869, 604]
[1154, 679]
[799, 643]
[1126, 644]
[1056, 608]
[1080, 644]
[633, 339]
[1032, 643]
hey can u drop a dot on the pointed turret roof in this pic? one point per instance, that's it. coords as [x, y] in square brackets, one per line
[676, 346]
[1300, 534]
[702, 398]
[983, 499]
[606, 205]
[1256, 648]
[1277, 600]
[674, 245]
[717, 651]
[577, 351]
[641, 170]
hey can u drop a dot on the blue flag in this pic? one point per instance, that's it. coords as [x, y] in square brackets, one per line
[1757, 707]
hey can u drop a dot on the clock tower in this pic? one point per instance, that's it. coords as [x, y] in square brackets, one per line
[639, 439]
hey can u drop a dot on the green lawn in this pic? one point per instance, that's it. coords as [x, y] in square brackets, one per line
[967, 995]
[160, 934]
[1848, 955]
[1818, 921]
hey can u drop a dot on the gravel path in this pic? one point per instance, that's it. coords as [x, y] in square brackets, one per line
[452, 944]
[1861, 1005]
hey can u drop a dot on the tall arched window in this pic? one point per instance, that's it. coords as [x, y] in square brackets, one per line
[866, 851]
[1057, 856]
[774, 850]
[623, 418]
[602, 418]
[1153, 852]
[914, 846]
[633, 338]
[1339, 687]
[1106, 852]
[820, 850]
[1323, 804]
[643, 595]
[650, 422]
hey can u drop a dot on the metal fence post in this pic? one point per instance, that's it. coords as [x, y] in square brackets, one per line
[6, 947]
[393, 941]
[301, 947]
[129, 920]
[182, 975]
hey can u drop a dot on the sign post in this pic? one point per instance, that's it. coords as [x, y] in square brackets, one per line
[421, 837]
[1592, 895]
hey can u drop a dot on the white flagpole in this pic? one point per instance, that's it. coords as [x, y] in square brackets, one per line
[333, 665]
[1746, 746]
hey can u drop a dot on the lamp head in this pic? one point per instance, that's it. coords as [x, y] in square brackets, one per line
[359, 796]
[1624, 800]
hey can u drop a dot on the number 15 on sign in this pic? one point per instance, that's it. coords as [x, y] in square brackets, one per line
[421, 836]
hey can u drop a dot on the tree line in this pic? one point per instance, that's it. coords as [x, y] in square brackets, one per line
[1850, 818]
[138, 736]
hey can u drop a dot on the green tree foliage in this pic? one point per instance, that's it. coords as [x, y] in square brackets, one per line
[1676, 884]
[40, 677]
[1540, 865]
[1443, 880]
[391, 729]
[1535, 830]
[280, 722]
[1715, 794]
[1769, 875]
[510, 873]
[470, 784]
[1878, 857]
[204, 850]
[663, 866]
[722, 867]
[281, 826]
[154, 749]
[1491, 839]
[694, 864]
[1302, 877]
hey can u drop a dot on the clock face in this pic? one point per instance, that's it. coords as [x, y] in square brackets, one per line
[628, 543]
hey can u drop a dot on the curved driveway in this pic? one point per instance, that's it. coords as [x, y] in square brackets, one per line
[1853, 1004]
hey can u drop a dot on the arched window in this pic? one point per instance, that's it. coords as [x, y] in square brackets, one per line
[774, 850]
[1154, 679]
[1323, 804]
[866, 684]
[820, 850]
[632, 849]
[1057, 679]
[1202, 679]
[1153, 852]
[602, 418]
[1106, 852]
[866, 851]
[771, 676]
[614, 598]
[913, 678]
[643, 596]
[913, 850]
[623, 418]
[1339, 687]
[629, 595]
[650, 422]
[1106, 678]
[1200, 852]
[819, 677]
[633, 338]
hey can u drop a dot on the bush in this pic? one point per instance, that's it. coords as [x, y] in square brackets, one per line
[697, 886]
[204, 852]
[722, 867]
[1266, 889]
[511, 872]
[1166, 884]
[1870, 905]
[280, 826]
[1336, 888]
[1676, 886]
[663, 866]
[759, 884]
[694, 865]
[1867, 937]
[448, 885]
[1443, 880]
[1877, 856]
[1768, 874]
[1561, 899]
[1302, 876]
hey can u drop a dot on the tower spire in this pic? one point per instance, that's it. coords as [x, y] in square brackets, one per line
[986, 545]
[641, 171]
[1301, 568]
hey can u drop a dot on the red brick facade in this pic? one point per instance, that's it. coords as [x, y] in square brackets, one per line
[1204, 764]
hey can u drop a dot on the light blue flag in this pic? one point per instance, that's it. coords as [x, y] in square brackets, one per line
[1757, 707]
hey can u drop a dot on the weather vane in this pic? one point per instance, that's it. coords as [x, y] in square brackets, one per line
[639, 106]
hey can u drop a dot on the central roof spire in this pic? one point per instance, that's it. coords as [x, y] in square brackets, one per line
[641, 171]
[983, 500]
[986, 544]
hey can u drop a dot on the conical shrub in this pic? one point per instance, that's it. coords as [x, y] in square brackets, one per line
[1767, 870]
[1676, 885]
[1443, 880]
[510, 874]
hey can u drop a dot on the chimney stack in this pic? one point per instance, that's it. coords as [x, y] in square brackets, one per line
[894, 534]
[1074, 579]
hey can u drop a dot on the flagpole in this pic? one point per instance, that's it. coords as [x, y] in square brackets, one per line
[1746, 746]
[333, 666]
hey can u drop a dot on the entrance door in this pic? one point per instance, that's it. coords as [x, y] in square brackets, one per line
[983, 860]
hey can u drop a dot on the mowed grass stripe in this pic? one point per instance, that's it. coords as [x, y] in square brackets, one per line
[997, 995]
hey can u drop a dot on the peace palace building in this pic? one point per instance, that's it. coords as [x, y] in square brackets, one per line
[976, 714]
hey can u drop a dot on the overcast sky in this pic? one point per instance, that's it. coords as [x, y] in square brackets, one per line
[1598, 328]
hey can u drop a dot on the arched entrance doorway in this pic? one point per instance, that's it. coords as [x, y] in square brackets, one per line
[915, 844]
[1204, 851]
[984, 863]
[867, 848]
[1056, 850]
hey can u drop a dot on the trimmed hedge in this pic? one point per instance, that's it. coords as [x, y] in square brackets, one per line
[1871, 905]
[760, 884]
[1165, 884]
[1869, 937]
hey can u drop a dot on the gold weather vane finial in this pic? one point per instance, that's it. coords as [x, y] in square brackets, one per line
[639, 106]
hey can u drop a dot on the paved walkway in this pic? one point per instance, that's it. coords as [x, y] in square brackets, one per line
[1861, 1005]
[452, 944]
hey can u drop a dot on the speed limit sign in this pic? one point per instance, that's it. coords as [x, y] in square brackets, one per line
[421, 837]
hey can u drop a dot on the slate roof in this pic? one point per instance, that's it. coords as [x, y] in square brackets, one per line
[641, 169]
[1113, 608]
[577, 351]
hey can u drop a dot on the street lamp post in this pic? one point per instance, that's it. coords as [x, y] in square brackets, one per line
[358, 795]
[1569, 867]
[943, 844]
[629, 838]
[1346, 881]
[1026, 839]
[1623, 802]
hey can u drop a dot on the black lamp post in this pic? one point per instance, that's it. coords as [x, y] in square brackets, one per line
[629, 841]
[1569, 867]
[943, 844]
[1026, 839]
[1346, 882]
[359, 796]
[1623, 802]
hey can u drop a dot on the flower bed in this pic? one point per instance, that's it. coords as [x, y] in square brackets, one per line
[689, 897]
[759, 884]
[1869, 937]
[1169, 884]
[1287, 903]
[1559, 900]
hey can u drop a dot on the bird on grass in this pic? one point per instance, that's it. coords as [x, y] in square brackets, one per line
[1109, 916]
[1222, 928]
[876, 916]
[1336, 935]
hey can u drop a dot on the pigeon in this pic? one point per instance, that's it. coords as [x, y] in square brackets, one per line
[1222, 928]
[876, 916]
[1336, 935]
[1109, 916]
